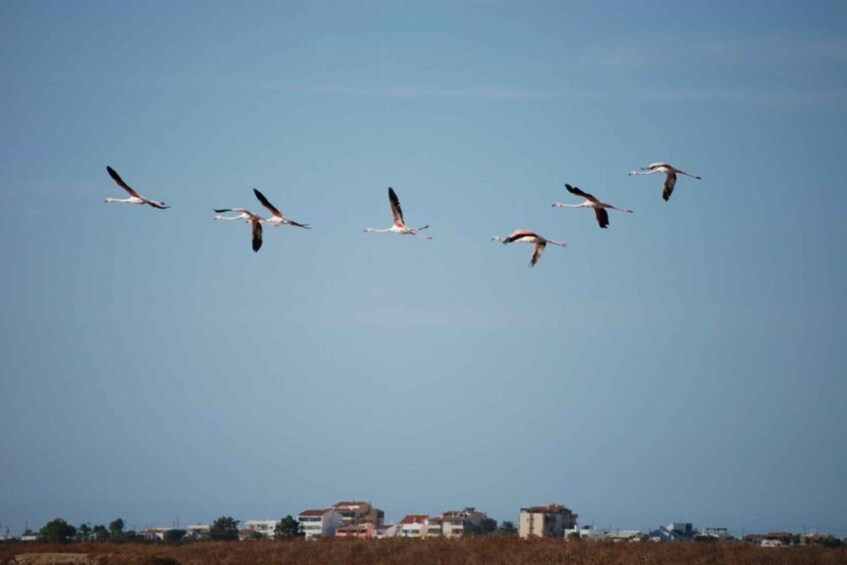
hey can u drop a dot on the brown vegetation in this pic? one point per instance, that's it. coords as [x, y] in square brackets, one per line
[436, 551]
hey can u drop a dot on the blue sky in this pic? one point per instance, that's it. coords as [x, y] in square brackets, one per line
[686, 364]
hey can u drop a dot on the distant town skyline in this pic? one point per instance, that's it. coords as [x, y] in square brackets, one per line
[177, 523]
[684, 363]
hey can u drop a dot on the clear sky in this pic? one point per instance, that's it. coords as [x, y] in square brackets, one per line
[686, 364]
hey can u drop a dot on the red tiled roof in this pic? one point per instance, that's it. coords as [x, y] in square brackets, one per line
[414, 518]
[315, 512]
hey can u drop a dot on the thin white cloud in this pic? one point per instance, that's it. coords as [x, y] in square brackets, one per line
[776, 49]
[627, 54]
[768, 98]
[664, 52]
[480, 93]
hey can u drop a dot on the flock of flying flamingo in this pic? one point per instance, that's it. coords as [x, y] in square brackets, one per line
[399, 226]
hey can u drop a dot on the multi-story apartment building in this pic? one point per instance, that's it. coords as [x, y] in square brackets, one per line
[434, 526]
[545, 521]
[319, 522]
[414, 525]
[456, 523]
[358, 512]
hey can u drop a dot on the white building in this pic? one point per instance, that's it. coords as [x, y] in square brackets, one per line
[586, 533]
[153, 534]
[720, 534]
[626, 535]
[386, 531]
[414, 525]
[319, 522]
[264, 527]
[434, 526]
[197, 531]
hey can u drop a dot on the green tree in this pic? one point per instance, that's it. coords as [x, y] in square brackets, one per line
[100, 532]
[116, 529]
[224, 528]
[83, 532]
[287, 528]
[57, 531]
[507, 528]
[174, 535]
[487, 526]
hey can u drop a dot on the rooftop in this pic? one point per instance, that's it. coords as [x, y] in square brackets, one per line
[414, 518]
[546, 509]
[315, 512]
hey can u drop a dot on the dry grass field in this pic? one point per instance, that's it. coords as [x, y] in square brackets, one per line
[477, 551]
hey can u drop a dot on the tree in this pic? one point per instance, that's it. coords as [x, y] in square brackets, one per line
[100, 532]
[507, 528]
[174, 535]
[224, 528]
[487, 526]
[83, 532]
[116, 529]
[57, 531]
[287, 528]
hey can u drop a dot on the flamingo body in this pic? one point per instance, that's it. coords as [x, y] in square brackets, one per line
[276, 219]
[399, 226]
[670, 178]
[134, 197]
[526, 236]
[591, 202]
[254, 220]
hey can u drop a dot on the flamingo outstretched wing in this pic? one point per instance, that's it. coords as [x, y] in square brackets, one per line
[396, 211]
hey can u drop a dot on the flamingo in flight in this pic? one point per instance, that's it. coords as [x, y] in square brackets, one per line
[254, 220]
[527, 236]
[134, 197]
[399, 226]
[277, 219]
[591, 202]
[670, 179]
